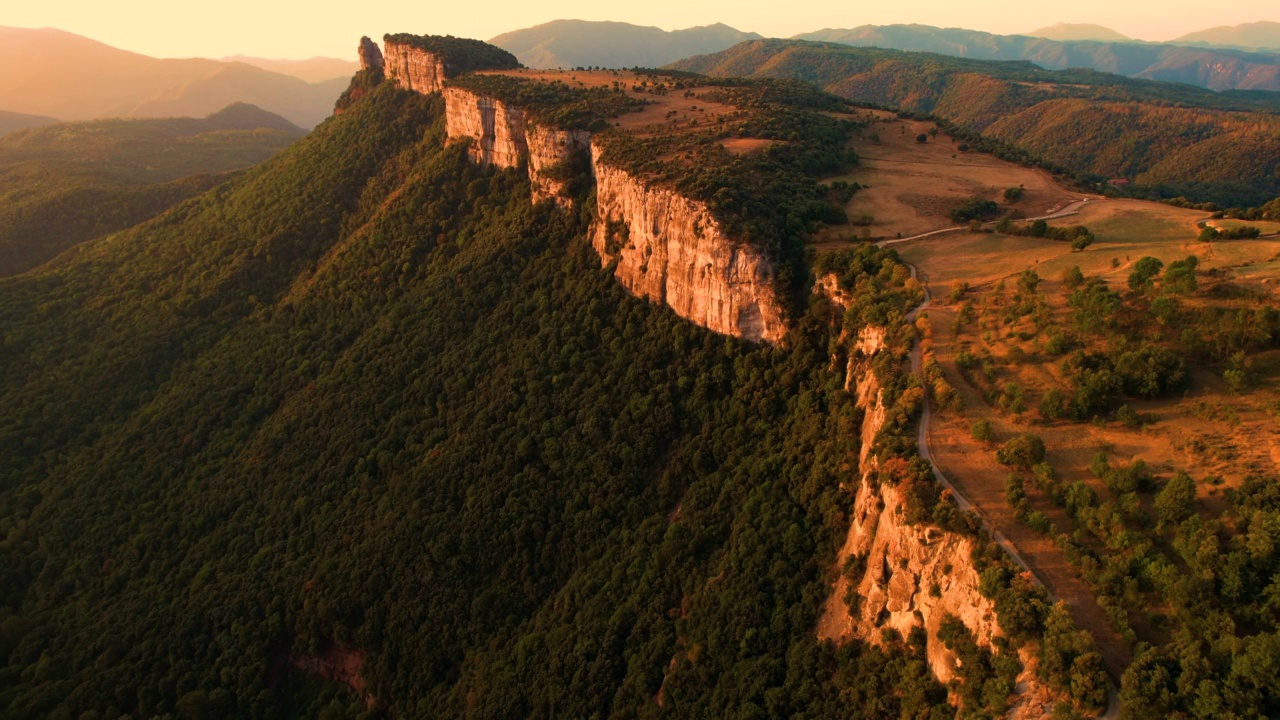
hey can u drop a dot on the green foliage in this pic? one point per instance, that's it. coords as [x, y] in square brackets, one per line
[1176, 501]
[1023, 451]
[1142, 278]
[555, 104]
[460, 55]
[367, 401]
[64, 184]
[1013, 194]
[974, 209]
[984, 680]
[981, 431]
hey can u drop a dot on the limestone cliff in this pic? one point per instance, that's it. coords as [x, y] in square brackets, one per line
[907, 576]
[497, 131]
[554, 157]
[414, 68]
[670, 249]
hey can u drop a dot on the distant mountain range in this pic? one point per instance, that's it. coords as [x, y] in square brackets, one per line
[57, 74]
[10, 121]
[66, 183]
[1216, 69]
[312, 70]
[1250, 36]
[581, 43]
[1079, 31]
[1168, 139]
[575, 43]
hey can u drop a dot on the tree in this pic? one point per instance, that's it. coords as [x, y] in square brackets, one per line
[1080, 242]
[1024, 451]
[1013, 194]
[1144, 273]
[1072, 278]
[922, 138]
[1176, 501]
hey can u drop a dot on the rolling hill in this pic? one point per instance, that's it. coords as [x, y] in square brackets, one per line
[55, 73]
[1171, 139]
[1208, 68]
[582, 43]
[67, 183]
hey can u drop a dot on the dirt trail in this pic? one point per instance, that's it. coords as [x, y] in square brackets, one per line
[1036, 554]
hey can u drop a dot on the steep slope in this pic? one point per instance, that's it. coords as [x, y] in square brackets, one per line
[371, 413]
[51, 72]
[1212, 69]
[583, 43]
[372, 401]
[1168, 139]
[1263, 35]
[70, 182]
[1078, 31]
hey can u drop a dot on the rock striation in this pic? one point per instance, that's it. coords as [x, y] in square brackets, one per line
[911, 576]
[670, 249]
[667, 248]
[414, 68]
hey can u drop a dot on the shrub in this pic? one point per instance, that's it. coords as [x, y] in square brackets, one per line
[981, 431]
[1176, 501]
[1023, 451]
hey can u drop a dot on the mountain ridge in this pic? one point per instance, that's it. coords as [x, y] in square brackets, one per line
[584, 43]
[59, 74]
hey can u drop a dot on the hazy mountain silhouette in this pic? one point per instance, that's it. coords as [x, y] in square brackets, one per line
[312, 70]
[59, 74]
[1254, 36]
[580, 43]
[1079, 31]
[1216, 69]
[10, 121]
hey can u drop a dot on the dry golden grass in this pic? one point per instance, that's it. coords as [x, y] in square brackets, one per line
[913, 186]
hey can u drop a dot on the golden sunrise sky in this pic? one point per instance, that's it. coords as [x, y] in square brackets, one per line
[301, 29]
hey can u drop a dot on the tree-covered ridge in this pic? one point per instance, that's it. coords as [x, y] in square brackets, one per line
[1169, 139]
[460, 55]
[367, 400]
[63, 184]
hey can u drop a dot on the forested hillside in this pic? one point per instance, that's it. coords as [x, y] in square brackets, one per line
[1167, 139]
[364, 415]
[67, 183]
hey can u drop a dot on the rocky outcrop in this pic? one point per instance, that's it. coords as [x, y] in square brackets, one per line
[370, 55]
[555, 157]
[671, 250]
[414, 68]
[907, 576]
[496, 130]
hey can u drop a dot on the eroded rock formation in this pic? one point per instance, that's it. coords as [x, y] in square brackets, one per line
[670, 249]
[370, 55]
[496, 130]
[910, 576]
[414, 68]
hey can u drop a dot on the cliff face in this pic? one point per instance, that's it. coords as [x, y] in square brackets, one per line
[414, 69]
[497, 131]
[671, 250]
[554, 157]
[910, 575]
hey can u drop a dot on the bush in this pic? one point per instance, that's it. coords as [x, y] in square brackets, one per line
[974, 209]
[1176, 501]
[1013, 194]
[1023, 451]
[981, 431]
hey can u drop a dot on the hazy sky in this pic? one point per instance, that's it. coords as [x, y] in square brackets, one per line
[298, 29]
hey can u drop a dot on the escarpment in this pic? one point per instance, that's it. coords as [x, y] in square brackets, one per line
[900, 576]
[414, 69]
[670, 249]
